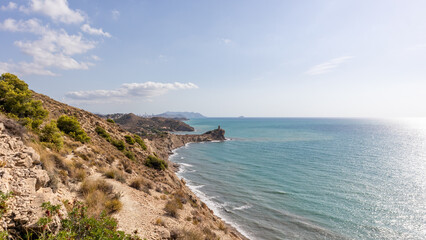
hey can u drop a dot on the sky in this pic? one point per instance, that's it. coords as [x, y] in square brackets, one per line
[328, 58]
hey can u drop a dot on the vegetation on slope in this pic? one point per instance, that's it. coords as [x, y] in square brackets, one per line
[71, 126]
[16, 100]
[75, 155]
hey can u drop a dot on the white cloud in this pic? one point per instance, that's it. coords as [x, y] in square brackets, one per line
[95, 58]
[130, 90]
[94, 31]
[54, 48]
[10, 6]
[226, 41]
[115, 14]
[328, 66]
[58, 10]
[24, 68]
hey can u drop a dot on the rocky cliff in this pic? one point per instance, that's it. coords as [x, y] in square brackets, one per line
[22, 174]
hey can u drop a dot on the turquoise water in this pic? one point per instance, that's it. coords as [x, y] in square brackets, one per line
[313, 178]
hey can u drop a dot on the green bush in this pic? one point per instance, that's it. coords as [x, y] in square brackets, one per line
[129, 155]
[52, 135]
[101, 132]
[79, 225]
[110, 120]
[16, 100]
[129, 139]
[140, 142]
[71, 126]
[156, 163]
[119, 144]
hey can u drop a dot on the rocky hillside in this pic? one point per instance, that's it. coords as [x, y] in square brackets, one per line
[110, 171]
[152, 125]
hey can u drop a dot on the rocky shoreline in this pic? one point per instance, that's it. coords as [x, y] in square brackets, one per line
[174, 142]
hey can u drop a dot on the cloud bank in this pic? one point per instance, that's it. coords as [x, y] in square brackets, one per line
[130, 91]
[54, 47]
[327, 66]
[57, 10]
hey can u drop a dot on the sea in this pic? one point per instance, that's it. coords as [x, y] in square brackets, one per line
[312, 178]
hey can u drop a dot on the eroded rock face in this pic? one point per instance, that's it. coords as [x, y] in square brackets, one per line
[22, 175]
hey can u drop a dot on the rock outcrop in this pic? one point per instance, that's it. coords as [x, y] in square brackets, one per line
[22, 176]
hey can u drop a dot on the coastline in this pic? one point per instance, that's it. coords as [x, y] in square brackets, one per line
[234, 229]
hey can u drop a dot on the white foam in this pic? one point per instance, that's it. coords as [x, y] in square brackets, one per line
[206, 199]
[215, 206]
[242, 207]
[186, 164]
[182, 157]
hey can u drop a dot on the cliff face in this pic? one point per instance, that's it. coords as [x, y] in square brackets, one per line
[22, 174]
[38, 174]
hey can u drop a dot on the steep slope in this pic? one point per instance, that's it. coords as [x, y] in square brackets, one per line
[69, 170]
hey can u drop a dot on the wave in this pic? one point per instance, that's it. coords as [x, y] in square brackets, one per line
[247, 206]
[186, 164]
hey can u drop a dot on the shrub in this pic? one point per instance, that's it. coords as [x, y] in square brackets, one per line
[113, 205]
[140, 142]
[71, 126]
[129, 140]
[16, 100]
[79, 225]
[110, 120]
[136, 183]
[99, 196]
[101, 132]
[129, 155]
[52, 135]
[141, 184]
[172, 207]
[90, 186]
[119, 144]
[115, 174]
[156, 163]
[80, 174]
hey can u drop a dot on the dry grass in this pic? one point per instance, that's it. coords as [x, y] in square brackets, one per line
[99, 196]
[141, 184]
[80, 174]
[172, 207]
[191, 235]
[160, 222]
[113, 205]
[115, 174]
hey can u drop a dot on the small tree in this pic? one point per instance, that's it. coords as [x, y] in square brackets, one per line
[16, 100]
[129, 140]
[71, 126]
[140, 142]
[51, 134]
[156, 163]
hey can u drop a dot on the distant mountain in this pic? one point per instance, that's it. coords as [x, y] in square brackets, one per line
[181, 115]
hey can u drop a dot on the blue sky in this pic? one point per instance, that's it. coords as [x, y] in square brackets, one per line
[222, 58]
